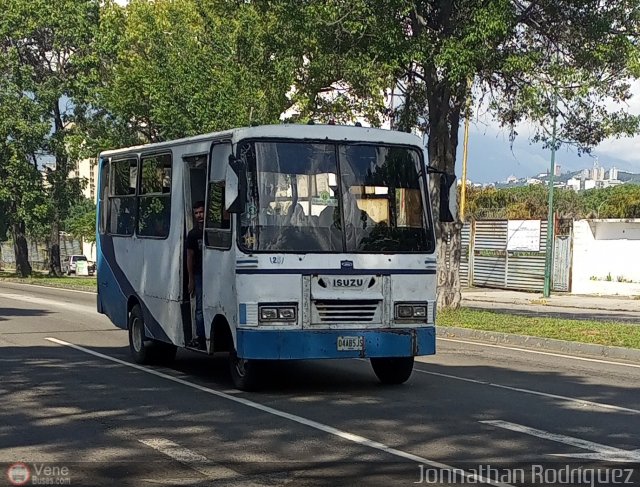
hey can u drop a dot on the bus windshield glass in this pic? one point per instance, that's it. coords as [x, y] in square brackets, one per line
[332, 197]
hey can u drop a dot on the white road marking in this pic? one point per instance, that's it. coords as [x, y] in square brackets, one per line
[345, 435]
[599, 452]
[539, 352]
[580, 402]
[190, 458]
[51, 287]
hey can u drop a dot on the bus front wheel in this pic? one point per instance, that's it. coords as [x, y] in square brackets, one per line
[244, 373]
[393, 370]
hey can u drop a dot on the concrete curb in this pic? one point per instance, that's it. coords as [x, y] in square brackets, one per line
[543, 344]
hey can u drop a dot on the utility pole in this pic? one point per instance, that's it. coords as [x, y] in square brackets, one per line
[550, 220]
[465, 152]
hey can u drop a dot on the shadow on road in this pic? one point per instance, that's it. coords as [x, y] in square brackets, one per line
[5, 313]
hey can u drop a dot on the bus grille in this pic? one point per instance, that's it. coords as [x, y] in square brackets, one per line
[346, 311]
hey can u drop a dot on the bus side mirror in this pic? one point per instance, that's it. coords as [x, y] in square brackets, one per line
[448, 194]
[236, 186]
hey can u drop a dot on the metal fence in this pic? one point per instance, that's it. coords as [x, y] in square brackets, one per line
[38, 253]
[488, 259]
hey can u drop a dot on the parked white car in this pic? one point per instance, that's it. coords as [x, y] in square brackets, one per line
[71, 264]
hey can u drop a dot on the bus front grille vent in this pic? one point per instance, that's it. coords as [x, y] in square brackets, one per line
[347, 311]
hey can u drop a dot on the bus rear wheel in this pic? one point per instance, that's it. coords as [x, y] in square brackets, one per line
[244, 373]
[143, 349]
[392, 370]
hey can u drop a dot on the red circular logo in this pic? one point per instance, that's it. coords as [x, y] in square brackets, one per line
[18, 474]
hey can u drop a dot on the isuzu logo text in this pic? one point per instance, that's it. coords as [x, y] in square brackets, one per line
[348, 282]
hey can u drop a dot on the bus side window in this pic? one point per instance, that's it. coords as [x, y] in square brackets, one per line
[217, 219]
[103, 195]
[154, 207]
[122, 196]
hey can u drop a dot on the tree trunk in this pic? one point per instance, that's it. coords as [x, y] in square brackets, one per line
[444, 122]
[55, 269]
[448, 252]
[21, 250]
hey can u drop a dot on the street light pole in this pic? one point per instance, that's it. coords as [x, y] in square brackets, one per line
[465, 152]
[550, 220]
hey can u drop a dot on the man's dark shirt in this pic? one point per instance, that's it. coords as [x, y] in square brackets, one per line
[194, 242]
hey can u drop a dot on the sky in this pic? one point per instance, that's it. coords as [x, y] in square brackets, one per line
[493, 158]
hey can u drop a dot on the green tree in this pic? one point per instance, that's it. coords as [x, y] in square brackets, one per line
[614, 202]
[81, 222]
[47, 50]
[22, 202]
[517, 52]
[177, 68]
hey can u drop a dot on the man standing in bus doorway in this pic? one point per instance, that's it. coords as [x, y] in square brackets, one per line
[194, 268]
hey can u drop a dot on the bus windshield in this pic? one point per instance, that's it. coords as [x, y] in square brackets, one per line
[333, 197]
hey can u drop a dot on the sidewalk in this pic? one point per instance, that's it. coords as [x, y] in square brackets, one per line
[520, 298]
[564, 306]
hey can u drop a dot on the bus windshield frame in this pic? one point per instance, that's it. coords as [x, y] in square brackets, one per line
[337, 197]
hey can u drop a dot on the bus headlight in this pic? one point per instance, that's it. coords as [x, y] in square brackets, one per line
[268, 314]
[406, 311]
[278, 313]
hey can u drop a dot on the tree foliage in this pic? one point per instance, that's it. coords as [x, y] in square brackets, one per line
[47, 51]
[81, 222]
[177, 68]
[531, 202]
[521, 55]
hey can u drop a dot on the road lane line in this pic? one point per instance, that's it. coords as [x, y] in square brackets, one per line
[581, 402]
[81, 308]
[599, 451]
[345, 435]
[539, 352]
[50, 287]
[191, 459]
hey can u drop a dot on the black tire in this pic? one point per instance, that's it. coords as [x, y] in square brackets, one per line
[139, 344]
[146, 350]
[395, 370]
[244, 373]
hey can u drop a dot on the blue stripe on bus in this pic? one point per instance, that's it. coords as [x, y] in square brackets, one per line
[337, 272]
[115, 304]
[323, 344]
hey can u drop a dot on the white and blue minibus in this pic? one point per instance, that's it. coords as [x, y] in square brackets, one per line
[318, 243]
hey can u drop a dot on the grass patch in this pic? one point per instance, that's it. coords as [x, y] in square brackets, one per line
[596, 332]
[78, 283]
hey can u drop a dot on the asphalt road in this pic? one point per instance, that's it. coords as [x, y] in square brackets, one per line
[75, 410]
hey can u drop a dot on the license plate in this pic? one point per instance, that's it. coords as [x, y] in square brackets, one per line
[350, 343]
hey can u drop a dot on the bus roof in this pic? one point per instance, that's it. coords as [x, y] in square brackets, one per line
[288, 131]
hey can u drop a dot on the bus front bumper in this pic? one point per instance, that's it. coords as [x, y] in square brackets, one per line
[331, 344]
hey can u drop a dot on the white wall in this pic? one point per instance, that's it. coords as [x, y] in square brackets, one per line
[89, 249]
[602, 247]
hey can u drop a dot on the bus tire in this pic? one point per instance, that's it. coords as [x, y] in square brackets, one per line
[244, 373]
[393, 370]
[140, 346]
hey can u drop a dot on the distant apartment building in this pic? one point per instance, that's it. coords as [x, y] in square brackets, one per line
[574, 184]
[556, 170]
[87, 169]
[613, 174]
